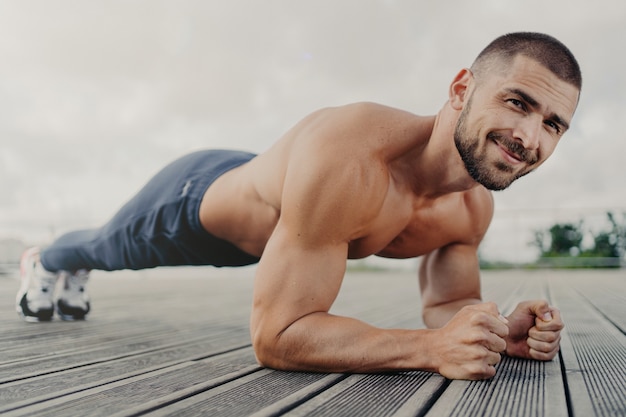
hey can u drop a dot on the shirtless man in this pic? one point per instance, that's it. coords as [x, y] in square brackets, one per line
[350, 182]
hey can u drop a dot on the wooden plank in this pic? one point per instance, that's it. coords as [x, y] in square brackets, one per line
[593, 350]
[248, 394]
[609, 298]
[113, 350]
[520, 388]
[175, 381]
[76, 379]
[144, 350]
[397, 394]
[29, 350]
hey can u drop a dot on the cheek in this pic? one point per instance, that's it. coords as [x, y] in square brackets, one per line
[483, 124]
[497, 120]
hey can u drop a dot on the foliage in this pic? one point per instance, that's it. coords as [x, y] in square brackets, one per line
[562, 245]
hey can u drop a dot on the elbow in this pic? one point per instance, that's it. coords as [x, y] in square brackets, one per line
[264, 353]
[280, 345]
[267, 351]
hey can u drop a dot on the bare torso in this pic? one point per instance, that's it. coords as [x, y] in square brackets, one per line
[408, 219]
[365, 179]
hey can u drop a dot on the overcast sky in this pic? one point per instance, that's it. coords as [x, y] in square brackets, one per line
[96, 96]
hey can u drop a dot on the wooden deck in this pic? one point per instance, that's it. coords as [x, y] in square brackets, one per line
[176, 342]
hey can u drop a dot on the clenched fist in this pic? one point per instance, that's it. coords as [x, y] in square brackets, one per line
[469, 345]
[534, 331]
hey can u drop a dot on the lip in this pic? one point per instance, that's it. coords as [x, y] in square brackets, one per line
[508, 155]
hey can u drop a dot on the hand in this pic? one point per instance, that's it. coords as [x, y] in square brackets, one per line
[534, 331]
[469, 345]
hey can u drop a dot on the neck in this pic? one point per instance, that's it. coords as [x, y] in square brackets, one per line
[440, 169]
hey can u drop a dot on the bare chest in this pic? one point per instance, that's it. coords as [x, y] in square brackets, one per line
[416, 233]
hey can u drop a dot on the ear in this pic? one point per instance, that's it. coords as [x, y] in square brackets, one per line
[459, 88]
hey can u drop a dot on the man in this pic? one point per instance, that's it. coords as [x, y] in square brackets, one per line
[350, 182]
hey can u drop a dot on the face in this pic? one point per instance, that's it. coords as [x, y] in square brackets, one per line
[512, 121]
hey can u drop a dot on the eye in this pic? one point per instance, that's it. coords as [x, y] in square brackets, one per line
[517, 103]
[552, 125]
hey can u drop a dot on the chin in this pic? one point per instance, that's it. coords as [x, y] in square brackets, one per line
[494, 181]
[499, 184]
[495, 186]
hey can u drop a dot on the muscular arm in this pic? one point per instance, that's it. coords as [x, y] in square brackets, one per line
[292, 329]
[450, 276]
[449, 280]
[327, 202]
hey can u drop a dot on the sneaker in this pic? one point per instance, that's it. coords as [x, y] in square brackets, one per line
[72, 300]
[34, 300]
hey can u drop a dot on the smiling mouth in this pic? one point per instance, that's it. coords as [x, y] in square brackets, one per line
[513, 152]
[509, 155]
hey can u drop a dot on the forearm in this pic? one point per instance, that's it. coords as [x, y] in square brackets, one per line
[322, 342]
[449, 280]
[437, 316]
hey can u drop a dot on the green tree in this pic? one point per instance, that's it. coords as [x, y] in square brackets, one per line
[609, 245]
[561, 245]
[564, 240]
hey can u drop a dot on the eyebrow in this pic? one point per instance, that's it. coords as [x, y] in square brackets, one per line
[534, 103]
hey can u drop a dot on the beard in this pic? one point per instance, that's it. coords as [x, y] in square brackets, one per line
[494, 176]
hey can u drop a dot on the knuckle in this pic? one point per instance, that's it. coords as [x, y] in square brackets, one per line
[542, 336]
[478, 371]
[478, 336]
[503, 330]
[551, 337]
[542, 356]
[485, 372]
[544, 346]
[480, 318]
[501, 345]
[541, 347]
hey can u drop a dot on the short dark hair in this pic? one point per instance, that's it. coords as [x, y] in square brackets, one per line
[544, 49]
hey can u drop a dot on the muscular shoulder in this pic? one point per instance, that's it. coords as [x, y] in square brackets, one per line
[336, 171]
[344, 145]
[333, 193]
[336, 179]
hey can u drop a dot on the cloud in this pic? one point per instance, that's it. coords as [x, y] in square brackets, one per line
[95, 97]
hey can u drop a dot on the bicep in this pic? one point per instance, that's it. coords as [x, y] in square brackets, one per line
[304, 261]
[322, 210]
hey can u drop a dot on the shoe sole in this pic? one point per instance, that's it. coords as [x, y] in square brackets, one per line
[72, 318]
[21, 304]
[68, 313]
[31, 317]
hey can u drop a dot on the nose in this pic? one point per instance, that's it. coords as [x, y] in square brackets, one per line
[527, 132]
